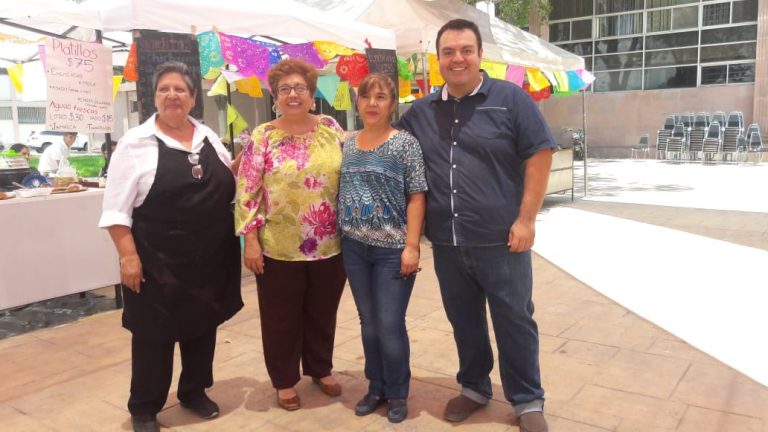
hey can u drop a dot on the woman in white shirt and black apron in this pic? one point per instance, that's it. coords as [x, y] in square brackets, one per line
[167, 209]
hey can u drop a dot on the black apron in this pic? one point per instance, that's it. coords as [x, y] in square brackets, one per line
[184, 235]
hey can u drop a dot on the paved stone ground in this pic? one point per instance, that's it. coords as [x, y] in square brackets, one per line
[604, 367]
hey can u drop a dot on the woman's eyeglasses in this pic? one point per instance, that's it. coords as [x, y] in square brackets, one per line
[286, 90]
[197, 170]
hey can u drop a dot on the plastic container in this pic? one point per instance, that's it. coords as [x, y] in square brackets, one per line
[29, 193]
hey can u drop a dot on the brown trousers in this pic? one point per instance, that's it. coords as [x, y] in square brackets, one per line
[298, 301]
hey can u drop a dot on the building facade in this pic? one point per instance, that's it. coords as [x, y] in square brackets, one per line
[652, 58]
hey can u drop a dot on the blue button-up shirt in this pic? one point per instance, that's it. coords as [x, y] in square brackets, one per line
[475, 148]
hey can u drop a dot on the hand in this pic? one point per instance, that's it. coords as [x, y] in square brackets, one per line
[521, 236]
[409, 261]
[130, 272]
[253, 257]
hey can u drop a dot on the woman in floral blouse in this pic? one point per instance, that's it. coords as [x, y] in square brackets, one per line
[287, 189]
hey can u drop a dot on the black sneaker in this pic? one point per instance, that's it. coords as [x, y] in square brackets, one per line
[397, 410]
[145, 423]
[202, 406]
[368, 404]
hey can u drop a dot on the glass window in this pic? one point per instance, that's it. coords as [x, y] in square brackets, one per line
[685, 17]
[610, 46]
[729, 34]
[744, 11]
[559, 32]
[672, 40]
[659, 20]
[621, 25]
[30, 115]
[675, 77]
[618, 81]
[662, 3]
[716, 14]
[6, 113]
[563, 9]
[718, 53]
[713, 74]
[614, 6]
[578, 48]
[671, 57]
[588, 63]
[618, 61]
[581, 29]
[741, 73]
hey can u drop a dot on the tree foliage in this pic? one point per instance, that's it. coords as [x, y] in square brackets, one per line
[517, 12]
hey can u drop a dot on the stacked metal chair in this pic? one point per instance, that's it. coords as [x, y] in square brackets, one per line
[677, 143]
[663, 135]
[734, 129]
[710, 150]
[755, 143]
[696, 136]
[719, 117]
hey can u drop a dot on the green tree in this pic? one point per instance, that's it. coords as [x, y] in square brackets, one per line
[517, 12]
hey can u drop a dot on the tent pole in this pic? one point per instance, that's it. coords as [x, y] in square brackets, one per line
[424, 71]
[231, 125]
[584, 144]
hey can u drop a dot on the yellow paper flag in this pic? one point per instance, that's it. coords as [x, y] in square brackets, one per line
[494, 70]
[405, 87]
[435, 79]
[342, 101]
[212, 73]
[562, 81]
[236, 120]
[16, 72]
[536, 79]
[116, 80]
[219, 87]
[250, 86]
[329, 50]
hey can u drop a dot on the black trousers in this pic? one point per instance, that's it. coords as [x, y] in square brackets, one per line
[152, 371]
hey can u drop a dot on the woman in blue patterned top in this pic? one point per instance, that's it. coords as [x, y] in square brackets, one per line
[380, 213]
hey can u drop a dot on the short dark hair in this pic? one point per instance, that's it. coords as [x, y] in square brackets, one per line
[71, 133]
[105, 145]
[377, 79]
[18, 147]
[459, 24]
[291, 66]
[190, 77]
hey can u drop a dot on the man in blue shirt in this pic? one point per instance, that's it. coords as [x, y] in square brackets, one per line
[488, 153]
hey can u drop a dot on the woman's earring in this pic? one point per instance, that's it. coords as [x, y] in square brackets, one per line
[275, 110]
[314, 106]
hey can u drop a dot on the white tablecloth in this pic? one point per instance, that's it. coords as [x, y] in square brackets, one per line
[51, 246]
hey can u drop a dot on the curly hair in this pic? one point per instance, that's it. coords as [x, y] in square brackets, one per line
[290, 66]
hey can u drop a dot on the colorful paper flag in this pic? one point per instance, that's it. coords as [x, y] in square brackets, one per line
[405, 87]
[574, 81]
[250, 86]
[562, 81]
[536, 79]
[219, 88]
[493, 69]
[328, 85]
[210, 52]
[116, 81]
[130, 71]
[435, 78]
[342, 101]
[236, 120]
[516, 75]
[306, 52]
[352, 68]
[329, 50]
[16, 73]
[250, 57]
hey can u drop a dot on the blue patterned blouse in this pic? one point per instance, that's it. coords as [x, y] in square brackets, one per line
[374, 188]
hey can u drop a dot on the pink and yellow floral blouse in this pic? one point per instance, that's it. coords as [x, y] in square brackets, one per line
[287, 188]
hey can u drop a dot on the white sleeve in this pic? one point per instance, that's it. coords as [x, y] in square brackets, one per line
[122, 187]
[220, 149]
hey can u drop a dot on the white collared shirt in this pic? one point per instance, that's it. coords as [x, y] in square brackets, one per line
[134, 164]
[52, 157]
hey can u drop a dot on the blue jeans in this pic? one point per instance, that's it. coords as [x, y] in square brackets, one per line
[382, 298]
[470, 276]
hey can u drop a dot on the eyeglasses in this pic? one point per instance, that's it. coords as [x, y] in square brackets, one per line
[400, 276]
[286, 90]
[197, 170]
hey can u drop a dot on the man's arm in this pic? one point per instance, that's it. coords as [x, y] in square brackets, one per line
[523, 230]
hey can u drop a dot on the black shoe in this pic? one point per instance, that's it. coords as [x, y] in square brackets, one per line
[368, 404]
[397, 410]
[145, 423]
[202, 406]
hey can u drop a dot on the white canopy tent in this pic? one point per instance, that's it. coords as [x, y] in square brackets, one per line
[416, 22]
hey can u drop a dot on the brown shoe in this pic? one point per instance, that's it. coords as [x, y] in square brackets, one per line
[331, 390]
[533, 421]
[289, 404]
[460, 408]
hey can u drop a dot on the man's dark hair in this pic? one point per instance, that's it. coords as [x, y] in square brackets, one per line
[459, 24]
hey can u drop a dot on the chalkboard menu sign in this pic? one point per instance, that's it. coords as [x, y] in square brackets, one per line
[383, 61]
[154, 48]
